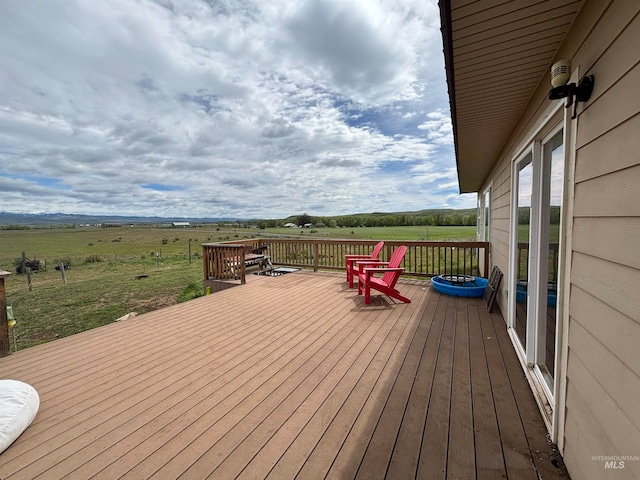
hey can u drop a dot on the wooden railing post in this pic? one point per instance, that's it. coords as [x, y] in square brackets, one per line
[315, 257]
[5, 344]
[242, 266]
[486, 259]
[205, 261]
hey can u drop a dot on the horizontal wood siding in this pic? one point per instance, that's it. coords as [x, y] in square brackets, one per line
[615, 150]
[603, 371]
[501, 224]
[595, 235]
[594, 197]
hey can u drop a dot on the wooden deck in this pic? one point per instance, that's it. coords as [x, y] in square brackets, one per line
[284, 377]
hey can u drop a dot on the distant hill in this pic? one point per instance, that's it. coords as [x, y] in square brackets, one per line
[45, 219]
[417, 213]
[434, 211]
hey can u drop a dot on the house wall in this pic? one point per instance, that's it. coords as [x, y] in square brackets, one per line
[601, 386]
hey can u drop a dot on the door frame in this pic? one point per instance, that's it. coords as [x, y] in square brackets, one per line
[550, 403]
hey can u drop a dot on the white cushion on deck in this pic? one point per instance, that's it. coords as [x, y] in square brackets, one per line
[19, 403]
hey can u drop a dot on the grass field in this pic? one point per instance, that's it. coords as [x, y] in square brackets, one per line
[431, 233]
[115, 271]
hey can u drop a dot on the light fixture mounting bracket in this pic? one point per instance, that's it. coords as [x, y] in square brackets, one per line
[579, 93]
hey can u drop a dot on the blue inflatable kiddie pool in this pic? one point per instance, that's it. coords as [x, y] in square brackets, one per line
[521, 293]
[460, 285]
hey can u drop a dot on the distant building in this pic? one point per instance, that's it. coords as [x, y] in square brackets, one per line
[181, 224]
[290, 225]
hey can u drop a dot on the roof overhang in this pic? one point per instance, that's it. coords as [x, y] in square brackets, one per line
[496, 54]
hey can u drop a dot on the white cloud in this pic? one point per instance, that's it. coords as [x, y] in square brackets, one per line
[246, 109]
[438, 128]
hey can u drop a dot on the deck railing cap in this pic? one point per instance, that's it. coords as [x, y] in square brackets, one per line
[238, 245]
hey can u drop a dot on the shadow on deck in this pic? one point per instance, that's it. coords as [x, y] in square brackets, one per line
[283, 377]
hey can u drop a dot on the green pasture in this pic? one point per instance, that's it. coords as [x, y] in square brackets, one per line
[411, 233]
[115, 271]
[554, 233]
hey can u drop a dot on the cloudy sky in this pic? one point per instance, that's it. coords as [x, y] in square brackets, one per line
[224, 108]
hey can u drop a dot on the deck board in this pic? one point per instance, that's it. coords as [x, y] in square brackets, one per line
[284, 377]
[341, 438]
[536, 433]
[461, 455]
[517, 455]
[489, 466]
[433, 455]
[409, 439]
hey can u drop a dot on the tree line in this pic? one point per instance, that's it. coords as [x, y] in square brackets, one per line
[423, 218]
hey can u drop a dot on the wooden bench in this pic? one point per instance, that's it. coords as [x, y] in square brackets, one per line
[257, 256]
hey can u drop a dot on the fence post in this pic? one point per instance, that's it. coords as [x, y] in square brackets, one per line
[64, 278]
[5, 345]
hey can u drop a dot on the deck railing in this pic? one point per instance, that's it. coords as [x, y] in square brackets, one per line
[423, 259]
[523, 261]
[224, 261]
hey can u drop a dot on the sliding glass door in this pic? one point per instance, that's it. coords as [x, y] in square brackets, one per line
[538, 197]
[549, 264]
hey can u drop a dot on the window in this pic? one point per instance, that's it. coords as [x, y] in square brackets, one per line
[484, 216]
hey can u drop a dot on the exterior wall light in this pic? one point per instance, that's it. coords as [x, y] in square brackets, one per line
[560, 74]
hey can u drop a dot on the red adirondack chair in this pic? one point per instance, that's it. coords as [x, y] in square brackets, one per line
[385, 284]
[351, 259]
